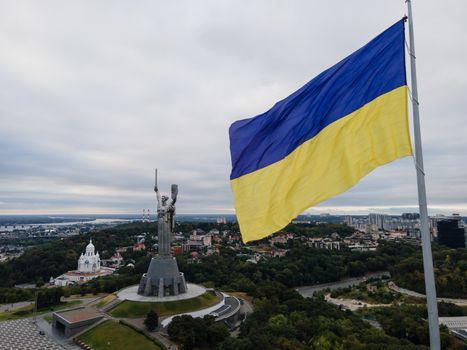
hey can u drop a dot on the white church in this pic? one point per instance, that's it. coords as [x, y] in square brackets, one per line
[89, 267]
[89, 261]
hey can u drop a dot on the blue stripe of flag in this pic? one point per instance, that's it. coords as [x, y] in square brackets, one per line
[375, 69]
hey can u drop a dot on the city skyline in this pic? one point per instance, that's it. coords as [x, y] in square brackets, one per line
[316, 211]
[95, 96]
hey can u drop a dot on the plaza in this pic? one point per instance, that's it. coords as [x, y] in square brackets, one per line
[131, 293]
[24, 335]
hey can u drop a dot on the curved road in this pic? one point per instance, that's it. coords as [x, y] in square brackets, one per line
[308, 291]
[394, 287]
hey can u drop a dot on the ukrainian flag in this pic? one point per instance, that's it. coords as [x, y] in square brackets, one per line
[321, 140]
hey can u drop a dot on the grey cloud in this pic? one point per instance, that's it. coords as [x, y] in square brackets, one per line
[94, 95]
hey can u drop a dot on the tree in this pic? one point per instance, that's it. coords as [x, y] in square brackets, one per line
[152, 321]
[181, 329]
[197, 332]
[231, 343]
[216, 333]
[49, 297]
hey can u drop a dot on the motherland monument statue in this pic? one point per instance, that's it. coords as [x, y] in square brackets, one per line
[163, 277]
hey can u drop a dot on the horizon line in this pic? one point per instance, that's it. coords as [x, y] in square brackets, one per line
[221, 214]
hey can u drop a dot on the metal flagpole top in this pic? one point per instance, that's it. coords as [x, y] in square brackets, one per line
[430, 285]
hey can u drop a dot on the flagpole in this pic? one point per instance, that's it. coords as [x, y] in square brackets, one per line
[430, 286]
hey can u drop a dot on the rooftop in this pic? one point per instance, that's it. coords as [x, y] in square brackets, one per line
[78, 315]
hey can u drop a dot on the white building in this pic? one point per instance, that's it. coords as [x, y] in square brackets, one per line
[89, 267]
[206, 239]
[89, 261]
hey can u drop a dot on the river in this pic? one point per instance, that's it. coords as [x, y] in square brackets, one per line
[97, 221]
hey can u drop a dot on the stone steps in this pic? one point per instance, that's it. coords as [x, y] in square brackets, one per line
[111, 305]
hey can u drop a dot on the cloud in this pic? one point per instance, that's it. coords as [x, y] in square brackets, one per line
[94, 95]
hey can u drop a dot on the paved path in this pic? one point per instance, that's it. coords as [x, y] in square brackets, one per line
[84, 300]
[246, 308]
[24, 335]
[160, 336]
[394, 287]
[169, 345]
[131, 293]
[11, 306]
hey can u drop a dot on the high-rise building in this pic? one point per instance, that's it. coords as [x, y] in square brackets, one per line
[410, 216]
[433, 223]
[450, 234]
[348, 220]
[378, 220]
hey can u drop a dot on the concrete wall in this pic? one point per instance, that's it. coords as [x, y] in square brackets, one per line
[76, 327]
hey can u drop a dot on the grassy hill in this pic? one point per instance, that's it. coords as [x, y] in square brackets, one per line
[140, 309]
[116, 336]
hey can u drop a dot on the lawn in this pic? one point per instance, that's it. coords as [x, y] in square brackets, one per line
[28, 311]
[115, 336]
[140, 309]
[105, 300]
[49, 318]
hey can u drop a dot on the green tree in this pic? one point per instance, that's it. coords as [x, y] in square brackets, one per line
[216, 333]
[49, 297]
[152, 321]
[181, 329]
[235, 344]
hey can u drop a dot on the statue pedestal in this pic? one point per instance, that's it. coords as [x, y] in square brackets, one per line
[162, 279]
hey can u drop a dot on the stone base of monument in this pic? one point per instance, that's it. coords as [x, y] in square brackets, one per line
[131, 293]
[163, 278]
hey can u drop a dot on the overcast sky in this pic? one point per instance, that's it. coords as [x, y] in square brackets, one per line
[95, 94]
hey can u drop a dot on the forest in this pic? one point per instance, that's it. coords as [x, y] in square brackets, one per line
[450, 272]
[230, 270]
[301, 266]
[282, 318]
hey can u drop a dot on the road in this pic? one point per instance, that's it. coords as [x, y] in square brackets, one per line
[308, 291]
[394, 287]
[246, 308]
[11, 306]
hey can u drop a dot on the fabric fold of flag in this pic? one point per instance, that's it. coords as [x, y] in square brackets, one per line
[321, 140]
